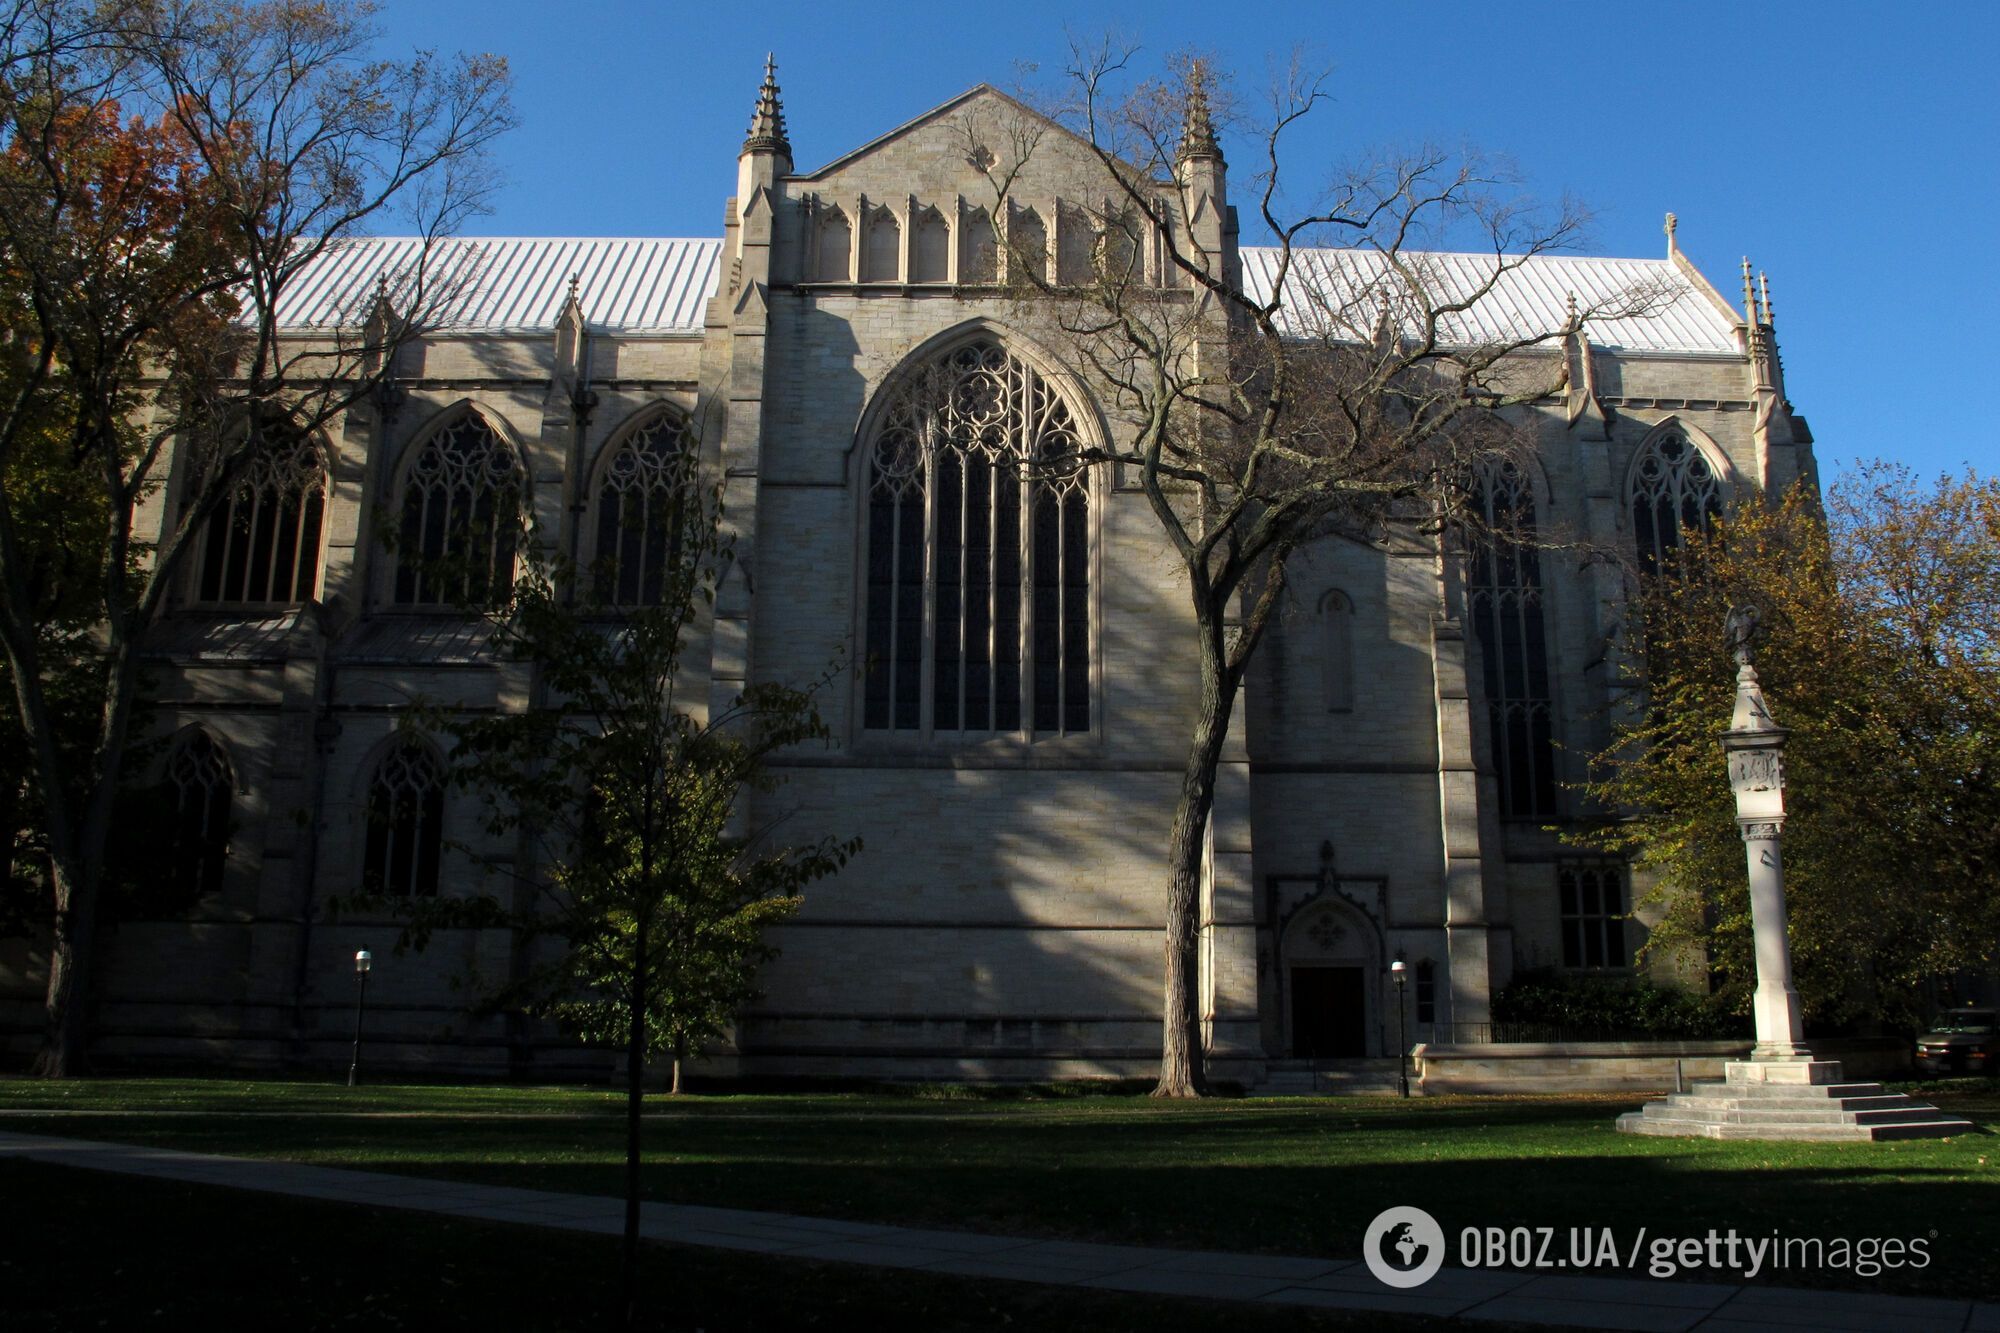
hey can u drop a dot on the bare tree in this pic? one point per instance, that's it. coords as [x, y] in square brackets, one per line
[1358, 391]
[170, 169]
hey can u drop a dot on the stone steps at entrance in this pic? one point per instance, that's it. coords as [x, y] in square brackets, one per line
[1791, 1100]
[1328, 1078]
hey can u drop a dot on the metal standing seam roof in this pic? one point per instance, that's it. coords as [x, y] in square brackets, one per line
[1651, 304]
[511, 284]
[640, 285]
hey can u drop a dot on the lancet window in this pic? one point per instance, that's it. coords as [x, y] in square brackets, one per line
[1337, 652]
[262, 545]
[200, 785]
[405, 824]
[978, 554]
[1674, 488]
[461, 518]
[1504, 597]
[641, 512]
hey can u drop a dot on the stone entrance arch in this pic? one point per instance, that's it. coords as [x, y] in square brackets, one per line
[1331, 964]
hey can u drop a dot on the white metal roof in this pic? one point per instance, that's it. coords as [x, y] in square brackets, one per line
[1646, 305]
[643, 285]
[516, 284]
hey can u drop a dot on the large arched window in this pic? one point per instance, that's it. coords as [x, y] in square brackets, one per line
[262, 545]
[200, 784]
[1504, 595]
[978, 601]
[641, 512]
[405, 823]
[1674, 487]
[461, 518]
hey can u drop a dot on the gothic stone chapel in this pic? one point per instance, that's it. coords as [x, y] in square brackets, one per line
[1011, 721]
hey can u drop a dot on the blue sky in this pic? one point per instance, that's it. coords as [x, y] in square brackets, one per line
[1853, 152]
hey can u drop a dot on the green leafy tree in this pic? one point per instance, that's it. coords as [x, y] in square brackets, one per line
[630, 785]
[1881, 610]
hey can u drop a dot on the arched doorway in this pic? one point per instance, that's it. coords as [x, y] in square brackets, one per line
[1330, 972]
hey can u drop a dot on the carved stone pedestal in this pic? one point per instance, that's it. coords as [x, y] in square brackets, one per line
[1791, 1099]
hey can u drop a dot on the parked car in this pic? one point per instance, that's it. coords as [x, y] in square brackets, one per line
[1961, 1041]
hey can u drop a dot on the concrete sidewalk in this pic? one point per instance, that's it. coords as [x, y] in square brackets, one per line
[1341, 1284]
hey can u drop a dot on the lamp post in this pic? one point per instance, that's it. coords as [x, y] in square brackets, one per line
[363, 960]
[1399, 973]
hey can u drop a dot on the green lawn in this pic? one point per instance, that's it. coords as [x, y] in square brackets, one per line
[1291, 1176]
[112, 1252]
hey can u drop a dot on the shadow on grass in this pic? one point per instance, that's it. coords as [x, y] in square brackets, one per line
[1251, 1178]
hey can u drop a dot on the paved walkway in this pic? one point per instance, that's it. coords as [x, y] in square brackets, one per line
[1340, 1284]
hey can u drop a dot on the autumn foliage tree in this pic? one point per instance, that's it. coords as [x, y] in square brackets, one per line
[1882, 608]
[169, 168]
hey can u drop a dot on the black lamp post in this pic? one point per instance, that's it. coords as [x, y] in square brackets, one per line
[363, 960]
[1400, 973]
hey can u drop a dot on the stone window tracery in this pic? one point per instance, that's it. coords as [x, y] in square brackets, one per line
[1592, 901]
[1027, 244]
[930, 247]
[1674, 487]
[461, 518]
[640, 512]
[201, 786]
[882, 254]
[833, 243]
[978, 256]
[1504, 597]
[405, 824]
[262, 545]
[978, 554]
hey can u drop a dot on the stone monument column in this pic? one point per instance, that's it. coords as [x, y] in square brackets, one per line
[1755, 746]
[1780, 1092]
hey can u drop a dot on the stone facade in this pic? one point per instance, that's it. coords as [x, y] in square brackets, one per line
[1004, 919]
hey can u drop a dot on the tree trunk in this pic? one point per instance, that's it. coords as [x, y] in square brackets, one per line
[635, 1061]
[680, 1054]
[66, 1003]
[1181, 1072]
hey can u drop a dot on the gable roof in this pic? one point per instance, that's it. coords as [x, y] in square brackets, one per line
[1676, 316]
[648, 286]
[515, 284]
[937, 113]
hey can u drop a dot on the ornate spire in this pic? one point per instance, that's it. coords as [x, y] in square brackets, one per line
[1673, 223]
[1197, 130]
[1764, 292]
[767, 123]
[1749, 296]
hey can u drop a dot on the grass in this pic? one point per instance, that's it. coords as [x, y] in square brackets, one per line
[1292, 1176]
[112, 1252]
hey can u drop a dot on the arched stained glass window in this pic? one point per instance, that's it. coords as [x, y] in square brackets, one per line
[978, 598]
[1674, 488]
[1504, 597]
[461, 518]
[200, 784]
[405, 823]
[640, 512]
[262, 545]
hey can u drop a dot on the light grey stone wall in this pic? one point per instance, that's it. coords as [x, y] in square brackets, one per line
[1004, 918]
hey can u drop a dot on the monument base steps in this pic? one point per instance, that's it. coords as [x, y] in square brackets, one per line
[1791, 1099]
